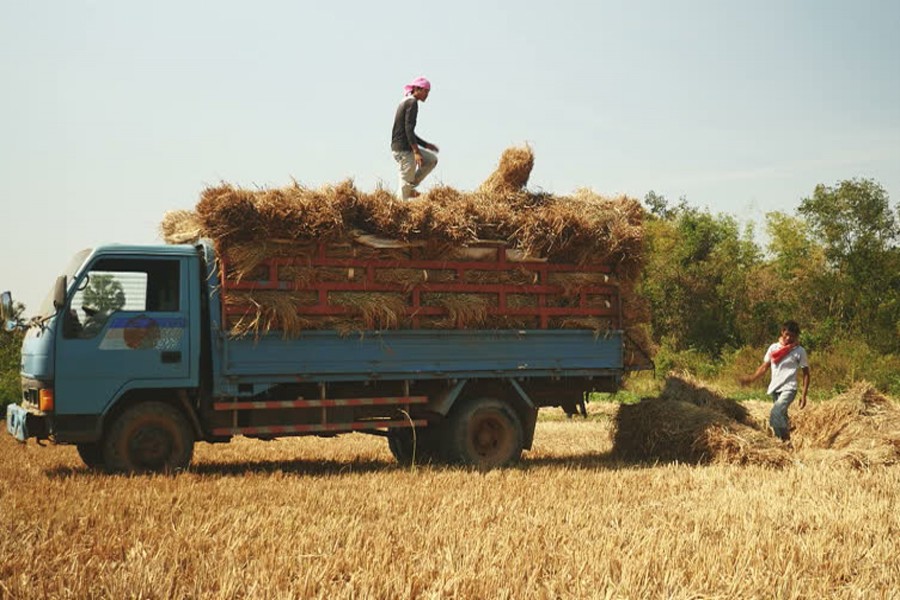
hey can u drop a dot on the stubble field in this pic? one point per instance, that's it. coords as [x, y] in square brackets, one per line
[337, 518]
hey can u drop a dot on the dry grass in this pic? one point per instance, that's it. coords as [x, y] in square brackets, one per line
[583, 228]
[690, 422]
[336, 518]
[512, 174]
[180, 227]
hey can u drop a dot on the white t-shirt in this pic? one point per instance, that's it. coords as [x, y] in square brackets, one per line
[784, 374]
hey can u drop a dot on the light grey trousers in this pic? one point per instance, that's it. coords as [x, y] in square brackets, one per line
[410, 175]
[778, 417]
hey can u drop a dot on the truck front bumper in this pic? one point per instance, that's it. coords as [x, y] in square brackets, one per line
[22, 423]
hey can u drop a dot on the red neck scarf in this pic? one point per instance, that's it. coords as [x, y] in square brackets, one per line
[781, 352]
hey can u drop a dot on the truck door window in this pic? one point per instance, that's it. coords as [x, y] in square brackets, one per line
[113, 285]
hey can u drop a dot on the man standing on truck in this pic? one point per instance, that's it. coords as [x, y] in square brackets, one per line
[785, 358]
[415, 162]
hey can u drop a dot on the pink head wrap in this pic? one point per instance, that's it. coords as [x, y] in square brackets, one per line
[418, 82]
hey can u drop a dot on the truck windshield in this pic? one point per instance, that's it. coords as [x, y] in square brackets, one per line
[46, 308]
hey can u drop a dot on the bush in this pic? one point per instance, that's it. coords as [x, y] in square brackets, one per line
[10, 359]
[691, 361]
[848, 361]
[833, 369]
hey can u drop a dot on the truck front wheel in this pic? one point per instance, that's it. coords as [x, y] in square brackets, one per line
[148, 437]
[486, 433]
[91, 454]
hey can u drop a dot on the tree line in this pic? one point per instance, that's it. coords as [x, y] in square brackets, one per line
[833, 266]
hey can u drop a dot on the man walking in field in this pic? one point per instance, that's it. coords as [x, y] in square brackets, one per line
[785, 358]
[409, 149]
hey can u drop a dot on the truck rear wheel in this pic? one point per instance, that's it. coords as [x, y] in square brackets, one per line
[149, 437]
[425, 450]
[486, 433]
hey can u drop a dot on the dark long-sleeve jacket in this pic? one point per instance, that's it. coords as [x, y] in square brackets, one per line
[404, 135]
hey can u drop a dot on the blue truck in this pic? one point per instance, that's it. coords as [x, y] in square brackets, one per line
[133, 359]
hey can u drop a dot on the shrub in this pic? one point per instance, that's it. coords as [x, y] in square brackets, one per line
[10, 353]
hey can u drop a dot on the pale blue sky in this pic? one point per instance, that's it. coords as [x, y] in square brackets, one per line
[114, 111]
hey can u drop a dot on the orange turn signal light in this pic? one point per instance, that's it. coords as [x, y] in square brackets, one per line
[45, 399]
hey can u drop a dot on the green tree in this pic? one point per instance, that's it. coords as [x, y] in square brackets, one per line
[792, 282]
[860, 235]
[10, 361]
[695, 277]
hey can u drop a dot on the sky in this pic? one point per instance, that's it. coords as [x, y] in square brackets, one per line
[113, 112]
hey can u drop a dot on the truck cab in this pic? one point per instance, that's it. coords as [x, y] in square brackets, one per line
[121, 324]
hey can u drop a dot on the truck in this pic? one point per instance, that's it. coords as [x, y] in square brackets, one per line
[135, 355]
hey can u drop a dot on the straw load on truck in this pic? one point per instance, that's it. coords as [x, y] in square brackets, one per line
[500, 257]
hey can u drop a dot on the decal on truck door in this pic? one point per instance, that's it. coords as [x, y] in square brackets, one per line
[143, 333]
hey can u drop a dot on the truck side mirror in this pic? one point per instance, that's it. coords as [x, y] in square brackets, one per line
[59, 292]
[7, 314]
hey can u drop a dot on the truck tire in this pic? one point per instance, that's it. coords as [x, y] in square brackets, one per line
[91, 454]
[486, 433]
[148, 437]
[427, 446]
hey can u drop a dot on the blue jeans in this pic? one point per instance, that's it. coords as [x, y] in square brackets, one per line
[778, 417]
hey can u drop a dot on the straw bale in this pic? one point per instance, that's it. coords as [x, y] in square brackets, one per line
[639, 345]
[574, 282]
[861, 427]
[358, 251]
[512, 174]
[668, 430]
[508, 277]
[228, 215]
[243, 259]
[743, 445]
[598, 301]
[583, 228]
[267, 311]
[521, 301]
[299, 213]
[306, 276]
[656, 429]
[690, 422]
[561, 301]
[685, 388]
[181, 227]
[249, 226]
[587, 229]
[374, 310]
[463, 310]
[409, 278]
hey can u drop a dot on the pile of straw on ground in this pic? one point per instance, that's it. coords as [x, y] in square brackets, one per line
[692, 423]
[861, 427]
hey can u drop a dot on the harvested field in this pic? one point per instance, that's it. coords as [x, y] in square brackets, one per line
[337, 518]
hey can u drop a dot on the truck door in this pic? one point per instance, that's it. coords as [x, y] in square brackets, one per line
[124, 327]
